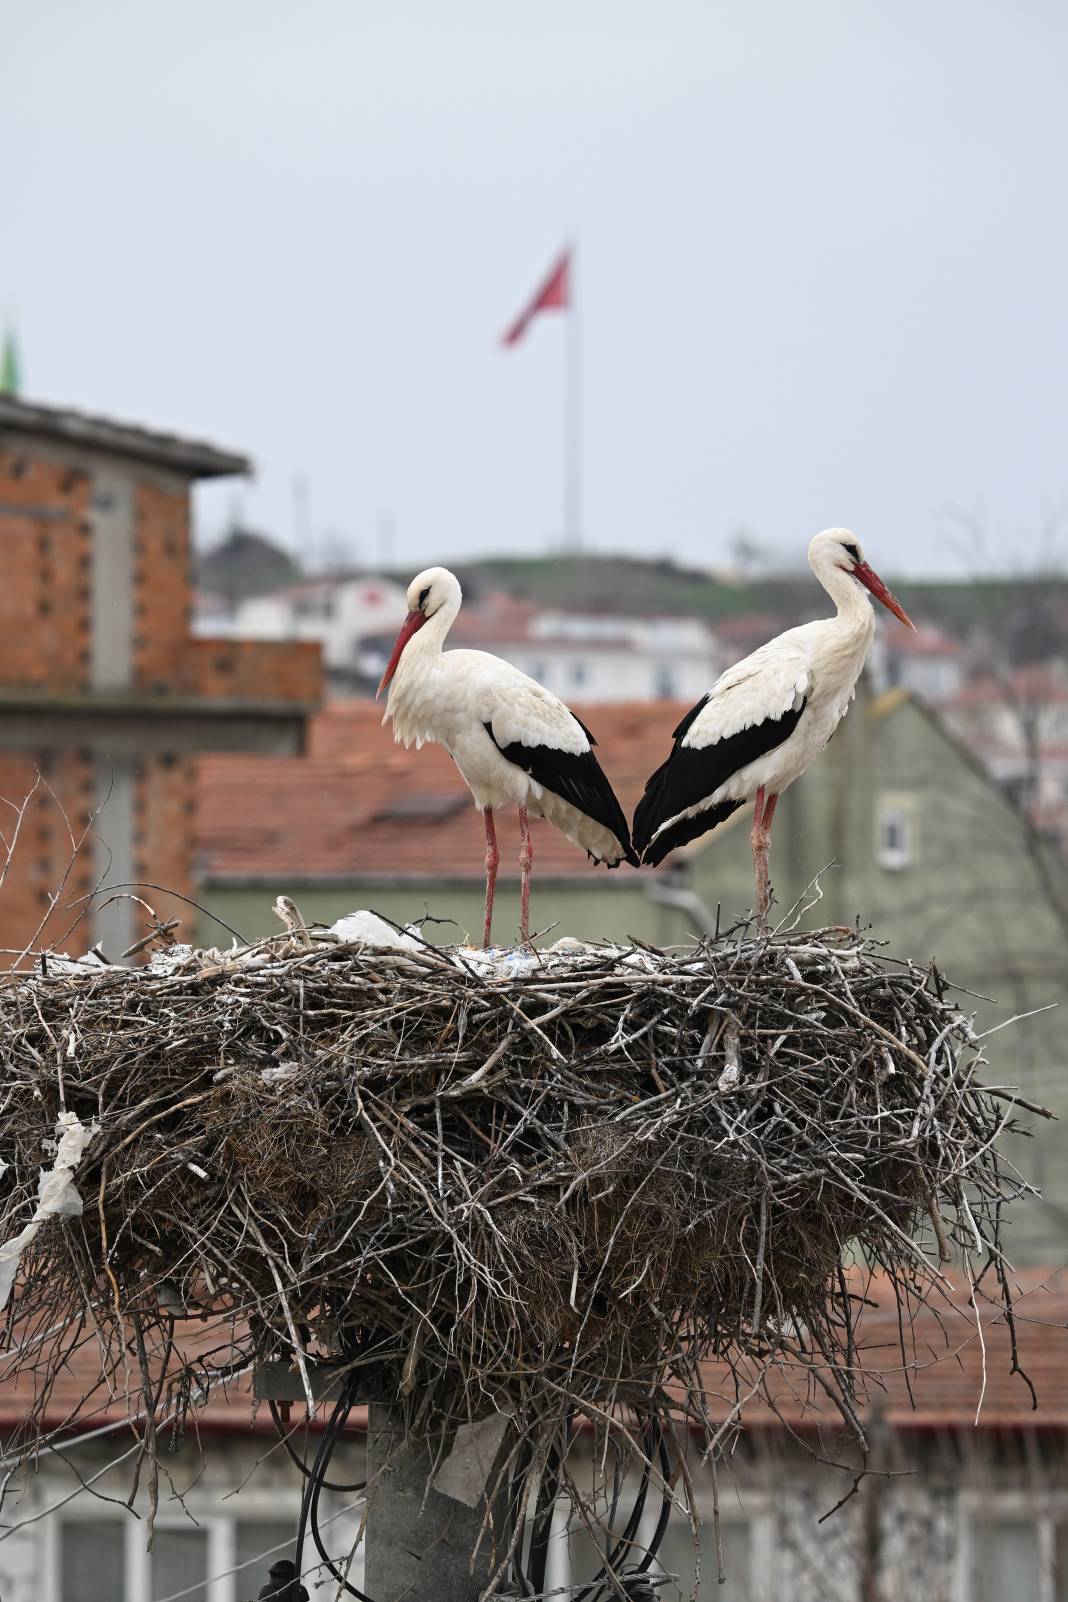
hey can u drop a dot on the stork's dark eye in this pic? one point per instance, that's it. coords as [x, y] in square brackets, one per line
[422, 597]
[852, 552]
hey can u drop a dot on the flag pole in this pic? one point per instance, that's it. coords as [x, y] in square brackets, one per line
[573, 412]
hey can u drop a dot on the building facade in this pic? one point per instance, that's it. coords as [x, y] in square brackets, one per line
[105, 697]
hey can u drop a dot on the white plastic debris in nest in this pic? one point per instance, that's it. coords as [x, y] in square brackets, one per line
[499, 962]
[514, 962]
[368, 929]
[279, 1075]
[56, 1195]
[171, 958]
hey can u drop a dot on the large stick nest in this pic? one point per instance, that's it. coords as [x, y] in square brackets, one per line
[556, 1184]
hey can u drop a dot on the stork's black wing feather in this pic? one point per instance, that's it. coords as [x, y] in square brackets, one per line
[576, 777]
[693, 774]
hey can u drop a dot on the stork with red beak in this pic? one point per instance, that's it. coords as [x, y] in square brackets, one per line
[514, 743]
[766, 718]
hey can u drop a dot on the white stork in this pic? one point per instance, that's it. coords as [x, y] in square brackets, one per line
[513, 742]
[766, 717]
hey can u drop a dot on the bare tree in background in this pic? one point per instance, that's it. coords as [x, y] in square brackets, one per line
[1016, 645]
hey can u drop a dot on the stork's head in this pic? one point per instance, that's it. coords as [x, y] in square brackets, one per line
[432, 591]
[838, 550]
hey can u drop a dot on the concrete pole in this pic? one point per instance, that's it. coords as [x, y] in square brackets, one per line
[419, 1541]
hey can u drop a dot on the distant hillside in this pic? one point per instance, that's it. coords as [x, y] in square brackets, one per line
[631, 585]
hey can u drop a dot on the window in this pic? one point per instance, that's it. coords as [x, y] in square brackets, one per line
[92, 1561]
[1020, 787]
[678, 1558]
[664, 681]
[1012, 1555]
[251, 1540]
[104, 1559]
[895, 832]
[179, 1559]
[579, 674]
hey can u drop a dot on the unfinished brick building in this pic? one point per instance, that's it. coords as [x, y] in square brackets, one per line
[105, 698]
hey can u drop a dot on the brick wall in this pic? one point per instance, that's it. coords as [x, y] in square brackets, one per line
[254, 669]
[54, 793]
[45, 594]
[161, 586]
[46, 615]
[165, 836]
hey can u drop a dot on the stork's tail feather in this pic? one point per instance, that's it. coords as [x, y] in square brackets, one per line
[577, 778]
[646, 813]
[686, 829]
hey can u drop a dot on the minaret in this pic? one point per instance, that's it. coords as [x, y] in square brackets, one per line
[10, 376]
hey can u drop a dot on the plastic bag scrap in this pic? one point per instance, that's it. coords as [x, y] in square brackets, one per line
[56, 1195]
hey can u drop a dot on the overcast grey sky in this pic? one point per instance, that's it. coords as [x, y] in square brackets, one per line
[823, 258]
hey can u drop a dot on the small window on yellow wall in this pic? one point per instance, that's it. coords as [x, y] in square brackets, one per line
[895, 832]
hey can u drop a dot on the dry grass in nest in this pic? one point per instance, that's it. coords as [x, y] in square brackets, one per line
[559, 1184]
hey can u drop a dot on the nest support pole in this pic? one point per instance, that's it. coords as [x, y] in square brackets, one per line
[419, 1542]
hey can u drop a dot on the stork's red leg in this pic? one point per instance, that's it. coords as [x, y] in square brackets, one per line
[760, 840]
[526, 863]
[493, 857]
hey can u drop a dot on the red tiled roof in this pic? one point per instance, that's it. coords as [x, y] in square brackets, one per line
[326, 814]
[946, 1362]
[944, 1355]
[925, 640]
[499, 618]
[758, 626]
[1035, 686]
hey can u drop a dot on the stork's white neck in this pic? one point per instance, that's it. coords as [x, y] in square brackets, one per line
[428, 641]
[848, 594]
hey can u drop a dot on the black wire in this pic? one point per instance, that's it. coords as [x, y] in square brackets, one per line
[283, 1436]
[310, 1500]
[532, 1581]
[665, 1509]
[661, 1524]
[654, 1443]
[625, 1542]
[302, 1525]
[315, 1486]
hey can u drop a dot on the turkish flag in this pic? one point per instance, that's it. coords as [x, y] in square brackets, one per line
[554, 295]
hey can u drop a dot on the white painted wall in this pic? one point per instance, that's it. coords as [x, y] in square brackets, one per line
[579, 671]
[340, 616]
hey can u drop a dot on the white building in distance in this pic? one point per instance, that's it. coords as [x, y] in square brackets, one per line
[342, 614]
[580, 656]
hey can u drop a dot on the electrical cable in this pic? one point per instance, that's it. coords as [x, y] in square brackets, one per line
[284, 1436]
[653, 1547]
[655, 1445]
[331, 1436]
[309, 1500]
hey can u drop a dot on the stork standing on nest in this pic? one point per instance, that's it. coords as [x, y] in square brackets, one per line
[765, 719]
[513, 742]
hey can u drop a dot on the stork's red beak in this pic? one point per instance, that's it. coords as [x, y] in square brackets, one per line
[871, 581]
[411, 625]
